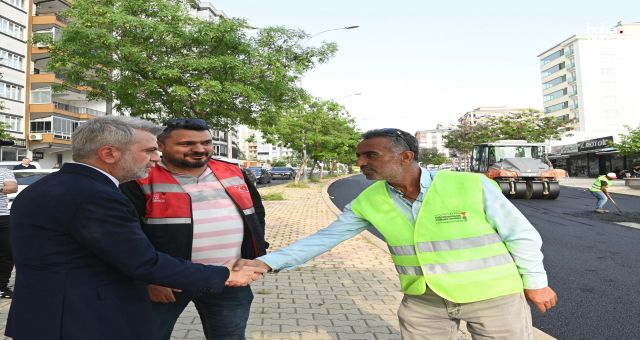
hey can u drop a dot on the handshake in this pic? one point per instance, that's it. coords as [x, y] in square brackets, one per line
[243, 272]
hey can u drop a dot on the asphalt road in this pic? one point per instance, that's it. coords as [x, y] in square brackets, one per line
[592, 263]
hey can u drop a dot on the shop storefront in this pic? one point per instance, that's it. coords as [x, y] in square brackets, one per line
[590, 158]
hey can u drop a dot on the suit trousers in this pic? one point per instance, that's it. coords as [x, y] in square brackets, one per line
[6, 259]
[429, 316]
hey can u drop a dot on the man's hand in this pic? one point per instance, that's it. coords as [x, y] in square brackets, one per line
[243, 275]
[543, 298]
[251, 263]
[161, 294]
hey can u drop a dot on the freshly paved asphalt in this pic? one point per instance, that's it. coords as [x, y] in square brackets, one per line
[592, 263]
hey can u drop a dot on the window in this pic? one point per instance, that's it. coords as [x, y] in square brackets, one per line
[41, 126]
[553, 69]
[63, 127]
[553, 82]
[11, 28]
[555, 94]
[555, 55]
[11, 60]
[13, 123]
[557, 107]
[16, 3]
[41, 96]
[10, 91]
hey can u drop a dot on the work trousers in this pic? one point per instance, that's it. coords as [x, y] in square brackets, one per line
[601, 197]
[429, 316]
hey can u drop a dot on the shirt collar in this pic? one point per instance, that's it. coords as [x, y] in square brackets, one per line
[113, 179]
[426, 177]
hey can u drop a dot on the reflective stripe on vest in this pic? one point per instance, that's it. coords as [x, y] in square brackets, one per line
[168, 203]
[597, 185]
[452, 247]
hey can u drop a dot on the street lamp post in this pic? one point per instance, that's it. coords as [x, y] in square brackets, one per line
[304, 43]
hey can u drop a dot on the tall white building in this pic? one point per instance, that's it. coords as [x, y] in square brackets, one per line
[591, 80]
[14, 69]
[432, 139]
[255, 147]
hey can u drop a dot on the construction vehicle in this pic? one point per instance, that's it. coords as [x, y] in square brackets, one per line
[520, 168]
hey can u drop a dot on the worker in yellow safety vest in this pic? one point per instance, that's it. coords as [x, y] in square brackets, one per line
[600, 190]
[462, 251]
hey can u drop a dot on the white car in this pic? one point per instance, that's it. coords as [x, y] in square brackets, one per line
[26, 178]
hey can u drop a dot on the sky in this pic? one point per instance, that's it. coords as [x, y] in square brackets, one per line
[421, 63]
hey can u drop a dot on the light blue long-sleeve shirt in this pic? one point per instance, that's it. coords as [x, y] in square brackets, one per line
[520, 237]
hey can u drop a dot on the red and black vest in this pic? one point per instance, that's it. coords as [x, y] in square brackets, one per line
[167, 218]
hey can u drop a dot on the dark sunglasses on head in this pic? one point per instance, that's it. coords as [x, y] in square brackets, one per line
[178, 122]
[391, 132]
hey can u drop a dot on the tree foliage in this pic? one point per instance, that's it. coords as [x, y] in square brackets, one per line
[630, 142]
[431, 156]
[320, 129]
[154, 60]
[531, 126]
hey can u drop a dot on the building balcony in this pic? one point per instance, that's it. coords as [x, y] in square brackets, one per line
[42, 110]
[40, 79]
[46, 78]
[41, 22]
[49, 137]
[568, 52]
[50, 6]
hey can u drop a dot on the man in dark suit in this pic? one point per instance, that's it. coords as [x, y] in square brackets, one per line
[82, 260]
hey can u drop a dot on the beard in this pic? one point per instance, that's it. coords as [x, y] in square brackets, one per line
[129, 171]
[184, 162]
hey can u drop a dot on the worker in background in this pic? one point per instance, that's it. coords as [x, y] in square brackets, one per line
[600, 189]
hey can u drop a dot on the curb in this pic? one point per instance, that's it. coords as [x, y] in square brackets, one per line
[371, 238]
[537, 334]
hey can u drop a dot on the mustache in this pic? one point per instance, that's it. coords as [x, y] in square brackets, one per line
[198, 154]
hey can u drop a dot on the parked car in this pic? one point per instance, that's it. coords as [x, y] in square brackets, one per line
[283, 172]
[26, 178]
[249, 174]
[262, 175]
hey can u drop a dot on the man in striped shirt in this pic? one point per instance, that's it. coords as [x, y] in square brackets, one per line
[8, 185]
[205, 211]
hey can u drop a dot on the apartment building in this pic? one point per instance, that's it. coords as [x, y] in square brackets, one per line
[255, 148]
[481, 114]
[432, 139]
[14, 68]
[590, 80]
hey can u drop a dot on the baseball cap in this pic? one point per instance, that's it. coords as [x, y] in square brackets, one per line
[611, 175]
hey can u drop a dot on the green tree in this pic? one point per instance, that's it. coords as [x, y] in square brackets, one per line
[319, 130]
[431, 156]
[462, 138]
[153, 60]
[629, 144]
[530, 125]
